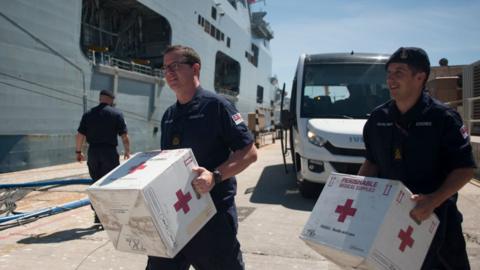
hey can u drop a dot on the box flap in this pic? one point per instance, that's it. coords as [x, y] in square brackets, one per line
[133, 173]
[332, 254]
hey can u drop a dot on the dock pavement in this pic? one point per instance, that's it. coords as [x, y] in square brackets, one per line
[272, 214]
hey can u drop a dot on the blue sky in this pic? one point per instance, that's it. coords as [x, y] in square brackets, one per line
[449, 29]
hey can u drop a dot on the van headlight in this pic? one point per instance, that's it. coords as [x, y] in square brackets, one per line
[314, 139]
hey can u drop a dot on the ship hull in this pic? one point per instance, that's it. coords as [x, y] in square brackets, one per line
[47, 80]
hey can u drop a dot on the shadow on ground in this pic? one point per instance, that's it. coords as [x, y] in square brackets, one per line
[61, 236]
[276, 187]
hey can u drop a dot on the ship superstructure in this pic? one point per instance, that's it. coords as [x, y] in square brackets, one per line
[55, 57]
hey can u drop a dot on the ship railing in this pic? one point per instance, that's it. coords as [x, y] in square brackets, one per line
[260, 26]
[227, 92]
[107, 59]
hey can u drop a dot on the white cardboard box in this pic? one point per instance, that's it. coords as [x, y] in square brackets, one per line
[364, 222]
[147, 205]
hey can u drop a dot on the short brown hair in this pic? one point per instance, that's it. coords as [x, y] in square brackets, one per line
[190, 55]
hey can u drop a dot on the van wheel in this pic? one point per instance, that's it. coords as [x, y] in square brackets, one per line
[310, 190]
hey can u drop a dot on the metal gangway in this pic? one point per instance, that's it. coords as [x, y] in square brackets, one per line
[10, 194]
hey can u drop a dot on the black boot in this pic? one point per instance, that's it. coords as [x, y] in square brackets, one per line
[96, 220]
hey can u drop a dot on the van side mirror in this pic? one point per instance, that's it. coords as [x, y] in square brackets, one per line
[286, 119]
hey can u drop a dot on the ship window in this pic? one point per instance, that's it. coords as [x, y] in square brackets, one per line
[214, 13]
[210, 29]
[249, 56]
[252, 58]
[228, 42]
[259, 94]
[233, 3]
[128, 34]
[227, 75]
[255, 55]
[213, 30]
[207, 26]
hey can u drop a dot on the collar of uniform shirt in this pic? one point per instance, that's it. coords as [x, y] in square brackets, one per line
[411, 115]
[193, 101]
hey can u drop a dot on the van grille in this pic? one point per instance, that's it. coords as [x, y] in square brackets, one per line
[347, 168]
[344, 151]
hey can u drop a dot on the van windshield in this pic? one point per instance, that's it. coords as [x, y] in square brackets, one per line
[343, 90]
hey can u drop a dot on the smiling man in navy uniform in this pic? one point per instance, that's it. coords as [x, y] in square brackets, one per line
[223, 147]
[423, 143]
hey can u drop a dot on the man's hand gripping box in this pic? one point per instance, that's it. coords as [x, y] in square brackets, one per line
[148, 205]
[364, 222]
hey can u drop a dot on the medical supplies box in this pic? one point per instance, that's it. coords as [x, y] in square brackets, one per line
[364, 222]
[148, 205]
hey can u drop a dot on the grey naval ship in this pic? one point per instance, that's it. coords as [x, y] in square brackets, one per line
[55, 57]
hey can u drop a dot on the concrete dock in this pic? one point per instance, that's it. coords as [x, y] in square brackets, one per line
[271, 212]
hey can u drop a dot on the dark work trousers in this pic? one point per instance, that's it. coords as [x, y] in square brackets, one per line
[448, 248]
[101, 160]
[214, 247]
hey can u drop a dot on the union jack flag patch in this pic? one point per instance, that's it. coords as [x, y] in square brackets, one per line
[464, 132]
[237, 118]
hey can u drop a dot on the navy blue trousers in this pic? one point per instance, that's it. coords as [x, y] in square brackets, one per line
[448, 249]
[214, 247]
[101, 160]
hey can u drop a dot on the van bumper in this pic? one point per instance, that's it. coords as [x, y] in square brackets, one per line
[318, 171]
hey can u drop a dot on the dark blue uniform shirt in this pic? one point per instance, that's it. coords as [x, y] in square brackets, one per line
[212, 127]
[420, 147]
[101, 125]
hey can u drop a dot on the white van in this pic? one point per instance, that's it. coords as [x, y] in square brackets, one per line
[331, 99]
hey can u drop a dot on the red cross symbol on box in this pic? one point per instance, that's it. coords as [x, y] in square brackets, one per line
[406, 237]
[345, 210]
[140, 166]
[182, 202]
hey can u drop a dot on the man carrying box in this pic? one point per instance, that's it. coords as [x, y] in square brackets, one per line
[418, 140]
[222, 145]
